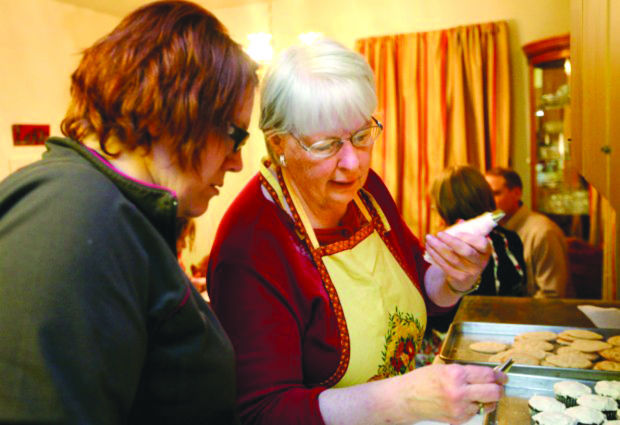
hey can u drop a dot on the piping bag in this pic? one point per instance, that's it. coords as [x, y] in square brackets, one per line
[481, 225]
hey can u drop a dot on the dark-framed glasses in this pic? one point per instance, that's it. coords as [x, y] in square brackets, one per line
[238, 135]
[325, 148]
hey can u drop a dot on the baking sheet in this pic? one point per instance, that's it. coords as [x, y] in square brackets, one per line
[524, 381]
[455, 348]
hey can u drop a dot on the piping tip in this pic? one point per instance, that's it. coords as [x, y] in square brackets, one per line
[497, 215]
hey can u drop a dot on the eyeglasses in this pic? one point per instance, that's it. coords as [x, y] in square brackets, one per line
[328, 147]
[238, 135]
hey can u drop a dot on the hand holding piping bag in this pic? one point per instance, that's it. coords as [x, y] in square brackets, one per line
[463, 250]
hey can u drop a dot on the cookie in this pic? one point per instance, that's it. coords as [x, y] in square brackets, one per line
[489, 347]
[533, 352]
[516, 356]
[614, 340]
[531, 344]
[581, 334]
[569, 391]
[569, 361]
[564, 341]
[571, 350]
[589, 346]
[611, 354]
[607, 365]
[537, 335]
[585, 415]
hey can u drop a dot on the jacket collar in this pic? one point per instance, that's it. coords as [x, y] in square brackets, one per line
[159, 205]
[518, 218]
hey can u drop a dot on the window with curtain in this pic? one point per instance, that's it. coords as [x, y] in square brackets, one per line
[444, 99]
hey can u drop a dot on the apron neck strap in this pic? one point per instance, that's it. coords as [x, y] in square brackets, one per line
[280, 181]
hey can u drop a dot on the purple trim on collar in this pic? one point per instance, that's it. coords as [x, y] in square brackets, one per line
[116, 170]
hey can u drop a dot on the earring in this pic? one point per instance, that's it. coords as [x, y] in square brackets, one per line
[282, 160]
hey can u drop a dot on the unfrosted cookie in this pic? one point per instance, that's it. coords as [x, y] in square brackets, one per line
[537, 335]
[564, 341]
[533, 352]
[611, 354]
[589, 346]
[614, 340]
[581, 334]
[489, 347]
[531, 344]
[568, 360]
[571, 350]
[516, 356]
[607, 365]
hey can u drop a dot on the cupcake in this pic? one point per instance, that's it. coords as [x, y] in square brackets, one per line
[553, 418]
[541, 403]
[616, 422]
[569, 391]
[609, 389]
[585, 415]
[605, 405]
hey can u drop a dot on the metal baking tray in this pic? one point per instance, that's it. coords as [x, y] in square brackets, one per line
[512, 408]
[455, 348]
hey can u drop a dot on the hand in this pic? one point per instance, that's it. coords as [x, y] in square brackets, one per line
[451, 393]
[461, 257]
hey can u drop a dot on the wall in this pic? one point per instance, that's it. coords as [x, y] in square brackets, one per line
[37, 59]
[349, 20]
[46, 37]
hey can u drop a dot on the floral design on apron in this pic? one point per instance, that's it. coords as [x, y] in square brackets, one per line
[379, 310]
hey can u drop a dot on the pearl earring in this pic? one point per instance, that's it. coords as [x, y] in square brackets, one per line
[282, 160]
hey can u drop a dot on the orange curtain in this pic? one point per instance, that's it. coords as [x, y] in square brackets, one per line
[444, 98]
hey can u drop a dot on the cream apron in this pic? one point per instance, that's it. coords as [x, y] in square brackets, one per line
[384, 312]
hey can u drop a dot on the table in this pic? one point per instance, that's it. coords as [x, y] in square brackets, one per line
[534, 311]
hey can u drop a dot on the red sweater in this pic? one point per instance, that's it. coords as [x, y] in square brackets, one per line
[270, 299]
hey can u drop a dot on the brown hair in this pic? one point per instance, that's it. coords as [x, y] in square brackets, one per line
[512, 178]
[169, 71]
[461, 192]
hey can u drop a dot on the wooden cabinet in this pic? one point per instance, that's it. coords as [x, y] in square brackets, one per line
[557, 188]
[595, 56]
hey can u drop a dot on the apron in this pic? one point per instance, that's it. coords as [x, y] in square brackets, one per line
[380, 312]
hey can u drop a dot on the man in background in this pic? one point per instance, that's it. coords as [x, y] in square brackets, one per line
[544, 244]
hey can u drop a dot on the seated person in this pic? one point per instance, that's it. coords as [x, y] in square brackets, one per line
[461, 193]
[544, 243]
[318, 281]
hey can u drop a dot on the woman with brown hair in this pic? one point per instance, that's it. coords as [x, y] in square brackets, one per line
[460, 193]
[99, 323]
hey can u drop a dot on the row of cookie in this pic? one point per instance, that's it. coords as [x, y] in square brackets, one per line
[579, 349]
[574, 403]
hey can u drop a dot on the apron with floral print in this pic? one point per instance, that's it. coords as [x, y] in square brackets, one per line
[380, 312]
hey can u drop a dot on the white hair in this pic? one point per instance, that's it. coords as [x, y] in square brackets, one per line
[321, 87]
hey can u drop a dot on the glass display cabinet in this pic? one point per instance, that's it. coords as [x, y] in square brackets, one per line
[557, 188]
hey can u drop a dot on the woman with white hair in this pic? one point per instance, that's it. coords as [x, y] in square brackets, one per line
[319, 283]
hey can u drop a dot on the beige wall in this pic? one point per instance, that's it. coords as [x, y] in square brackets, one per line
[46, 36]
[39, 51]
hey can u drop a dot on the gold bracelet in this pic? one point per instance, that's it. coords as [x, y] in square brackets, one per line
[468, 291]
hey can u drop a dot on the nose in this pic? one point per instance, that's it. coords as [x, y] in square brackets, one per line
[234, 162]
[348, 156]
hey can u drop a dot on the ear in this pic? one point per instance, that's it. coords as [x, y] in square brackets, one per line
[276, 144]
[518, 192]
